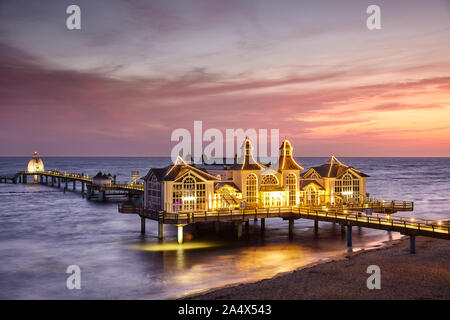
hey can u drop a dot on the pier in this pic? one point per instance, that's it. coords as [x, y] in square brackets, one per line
[190, 195]
[347, 218]
[69, 182]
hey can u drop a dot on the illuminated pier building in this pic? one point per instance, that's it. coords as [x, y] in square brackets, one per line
[246, 183]
[35, 165]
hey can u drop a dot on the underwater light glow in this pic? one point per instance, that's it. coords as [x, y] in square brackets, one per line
[176, 246]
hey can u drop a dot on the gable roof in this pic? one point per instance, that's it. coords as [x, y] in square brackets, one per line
[171, 173]
[333, 168]
[159, 173]
[304, 183]
[179, 170]
[218, 185]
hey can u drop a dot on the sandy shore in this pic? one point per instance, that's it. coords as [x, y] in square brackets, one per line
[424, 275]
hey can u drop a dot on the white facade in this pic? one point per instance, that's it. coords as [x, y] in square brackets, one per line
[248, 184]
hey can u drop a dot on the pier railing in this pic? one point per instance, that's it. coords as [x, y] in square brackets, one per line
[395, 205]
[377, 221]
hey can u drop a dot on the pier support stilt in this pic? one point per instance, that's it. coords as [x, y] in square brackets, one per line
[291, 227]
[59, 183]
[101, 196]
[247, 224]
[217, 225]
[412, 244]
[239, 230]
[349, 236]
[316, 228]
[74, 185]
[160, 230]
[255, 220]
[82, 187]
[180, 234]
[142, 225]
[263, 224]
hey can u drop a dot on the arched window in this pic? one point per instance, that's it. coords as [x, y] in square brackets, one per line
[189, 194]
[269, 179]
[348, 186]
[347, 183]
[311, 196]
[252, 187]
[314, 176]
[188, 187]
[291, 185]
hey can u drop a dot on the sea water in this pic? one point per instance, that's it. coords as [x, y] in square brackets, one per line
[43, 231]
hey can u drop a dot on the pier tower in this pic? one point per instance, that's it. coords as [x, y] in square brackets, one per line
[35, 165]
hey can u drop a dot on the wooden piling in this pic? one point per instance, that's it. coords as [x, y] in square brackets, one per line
[291, 227]
[142, 225]
[239, 230]
[412, 244]
[180, 234]
[217, 225]
[160, 230]
[349, 236]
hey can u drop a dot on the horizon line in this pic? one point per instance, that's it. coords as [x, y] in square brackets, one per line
[106, 156]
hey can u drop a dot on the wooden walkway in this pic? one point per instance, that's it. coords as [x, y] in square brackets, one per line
[58, 179]
[382, 206]
[346, 217]
[404, 225]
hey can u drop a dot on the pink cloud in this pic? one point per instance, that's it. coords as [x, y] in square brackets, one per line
[67, 113]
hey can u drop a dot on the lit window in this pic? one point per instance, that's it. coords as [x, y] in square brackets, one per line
[252, 184]
[291, 185]
[269, 180]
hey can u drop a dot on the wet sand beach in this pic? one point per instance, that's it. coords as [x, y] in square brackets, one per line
[423, 275]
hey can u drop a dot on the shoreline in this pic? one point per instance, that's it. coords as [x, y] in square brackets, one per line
[424, 275]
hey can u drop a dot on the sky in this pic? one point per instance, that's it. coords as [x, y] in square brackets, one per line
[137, 70]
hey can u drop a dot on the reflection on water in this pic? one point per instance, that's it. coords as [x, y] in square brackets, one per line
[41, 233]
[202, 264]
[175, 246]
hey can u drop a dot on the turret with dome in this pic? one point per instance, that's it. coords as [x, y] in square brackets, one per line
[35, 164]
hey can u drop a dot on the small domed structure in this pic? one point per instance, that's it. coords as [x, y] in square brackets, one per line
[35, 164]
[102, 179]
